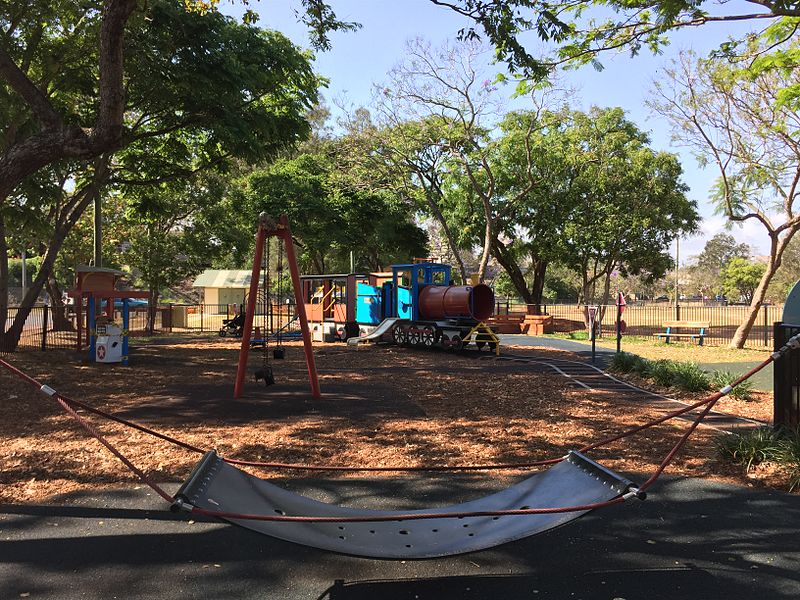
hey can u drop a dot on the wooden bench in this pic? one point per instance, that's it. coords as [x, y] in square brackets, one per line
[700, 326]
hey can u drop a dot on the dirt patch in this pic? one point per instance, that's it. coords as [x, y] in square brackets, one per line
[381, 406]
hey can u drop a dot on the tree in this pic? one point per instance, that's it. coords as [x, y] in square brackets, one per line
[580, 39]
[731, 114]
[706, 272]
[740, 278]
[203, 90]
[446, 89]
[629, 203]
[787, 275]
[56, 131]
[528, 235]
[329, 218]
[405, 158]
[171, 230]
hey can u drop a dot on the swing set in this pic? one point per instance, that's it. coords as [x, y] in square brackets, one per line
[268, 228]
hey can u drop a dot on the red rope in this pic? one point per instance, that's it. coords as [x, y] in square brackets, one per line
[96, 434]
[407, 516]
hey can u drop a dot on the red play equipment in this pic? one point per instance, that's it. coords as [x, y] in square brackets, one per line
[267, 227]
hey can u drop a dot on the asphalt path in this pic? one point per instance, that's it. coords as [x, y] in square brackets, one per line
[691, 539]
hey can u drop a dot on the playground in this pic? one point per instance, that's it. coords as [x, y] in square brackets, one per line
[381, 406]
[72, 512]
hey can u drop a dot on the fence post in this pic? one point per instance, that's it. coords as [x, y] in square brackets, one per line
[44, 328]
[201, 318]
[766, 326]
[170, 317]
[782, 387]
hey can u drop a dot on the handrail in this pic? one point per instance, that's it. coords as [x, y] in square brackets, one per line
[332, 304]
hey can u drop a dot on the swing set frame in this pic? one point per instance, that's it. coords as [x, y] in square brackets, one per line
[268, 227]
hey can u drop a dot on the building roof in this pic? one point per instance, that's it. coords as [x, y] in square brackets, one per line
[90, 269]
[223, 278]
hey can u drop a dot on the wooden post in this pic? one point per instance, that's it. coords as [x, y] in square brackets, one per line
[44, 328]
[301, 307]
[244, 351]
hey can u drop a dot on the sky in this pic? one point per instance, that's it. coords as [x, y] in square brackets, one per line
[359, 60]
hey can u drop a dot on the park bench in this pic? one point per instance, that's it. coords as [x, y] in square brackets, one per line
[671, 326]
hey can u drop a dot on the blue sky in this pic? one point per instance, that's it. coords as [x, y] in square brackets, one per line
[362, 58]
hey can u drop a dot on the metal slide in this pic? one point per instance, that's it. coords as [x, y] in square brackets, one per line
[384, 328]
[575, 481]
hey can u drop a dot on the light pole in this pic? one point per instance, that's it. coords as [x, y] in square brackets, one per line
[677, 269]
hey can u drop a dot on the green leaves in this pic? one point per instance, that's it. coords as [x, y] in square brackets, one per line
[740, 277]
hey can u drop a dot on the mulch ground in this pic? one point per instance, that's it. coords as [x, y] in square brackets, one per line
[381, 406]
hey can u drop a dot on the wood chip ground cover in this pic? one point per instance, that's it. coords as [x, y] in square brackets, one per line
[381, 406]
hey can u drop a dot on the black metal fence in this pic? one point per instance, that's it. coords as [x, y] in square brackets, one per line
[647, 320]
[42, 331]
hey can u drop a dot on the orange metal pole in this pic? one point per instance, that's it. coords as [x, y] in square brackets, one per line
[286, 234]
[241, 370]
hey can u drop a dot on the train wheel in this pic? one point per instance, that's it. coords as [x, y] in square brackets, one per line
[399, 335]
[480, 344]
[456, 343]
[428, 336]
[492, 346]
[414, 336]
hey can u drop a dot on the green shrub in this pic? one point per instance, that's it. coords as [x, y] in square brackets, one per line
[671, 373]
[751, 447]
[789, 456]
[743, 391]
[626, 362]
[578, 335]
[689, 376]
[659, 371]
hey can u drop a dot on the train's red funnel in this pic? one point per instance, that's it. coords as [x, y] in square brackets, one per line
[456, 301]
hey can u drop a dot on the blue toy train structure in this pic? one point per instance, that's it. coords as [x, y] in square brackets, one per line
[414, 305]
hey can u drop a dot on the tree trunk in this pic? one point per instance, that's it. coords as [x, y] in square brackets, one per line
[532, 296]
[510, 266]
[152, 311]
[58, 308]
[487, 240]
[437, 213]
[9, 340]
[777, 247]
[3, 280]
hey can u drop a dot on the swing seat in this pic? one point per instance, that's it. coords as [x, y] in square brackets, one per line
[575, 481]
